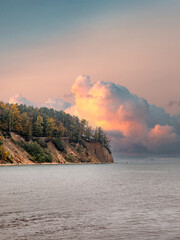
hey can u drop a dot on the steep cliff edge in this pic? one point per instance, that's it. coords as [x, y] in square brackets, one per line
[99, 151]
[21, 152]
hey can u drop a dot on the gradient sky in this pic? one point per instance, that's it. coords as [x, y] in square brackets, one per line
[46, 44]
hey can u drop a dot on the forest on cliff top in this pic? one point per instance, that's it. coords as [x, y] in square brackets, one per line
[30, 122]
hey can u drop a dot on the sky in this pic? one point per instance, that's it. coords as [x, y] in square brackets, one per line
[46, 44]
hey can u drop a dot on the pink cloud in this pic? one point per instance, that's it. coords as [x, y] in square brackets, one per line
[133, 124]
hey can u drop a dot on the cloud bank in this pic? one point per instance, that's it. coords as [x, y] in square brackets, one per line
[135, 126]
[55, 103]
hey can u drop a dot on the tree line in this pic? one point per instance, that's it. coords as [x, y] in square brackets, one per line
[34, 122]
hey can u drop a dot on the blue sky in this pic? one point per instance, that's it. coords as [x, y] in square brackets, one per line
[24, 22]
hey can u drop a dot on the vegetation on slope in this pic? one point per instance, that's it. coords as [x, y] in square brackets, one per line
[3, 153]
[35, 125]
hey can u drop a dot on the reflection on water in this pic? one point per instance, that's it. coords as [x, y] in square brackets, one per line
[125, 200]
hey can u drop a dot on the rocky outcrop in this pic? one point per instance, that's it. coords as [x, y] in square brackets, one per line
[86, 152]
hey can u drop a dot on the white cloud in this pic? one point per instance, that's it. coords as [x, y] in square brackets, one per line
[56, 103]
[19, 99]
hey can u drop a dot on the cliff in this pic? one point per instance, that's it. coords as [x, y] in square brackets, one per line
[98, 150]
[41, 150]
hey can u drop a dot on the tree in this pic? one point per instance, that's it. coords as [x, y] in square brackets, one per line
[50, 127]
[4, 117]
[1, 141]
[39, 127]
[96, 135]
[26, 125]
[3, 153]
[61, 130]
[14, 119]
[83, 125]
[75, 135]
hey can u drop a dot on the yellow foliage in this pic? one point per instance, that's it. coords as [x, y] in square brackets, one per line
[3, 153]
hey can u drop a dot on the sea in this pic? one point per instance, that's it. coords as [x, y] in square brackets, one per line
[136, 199]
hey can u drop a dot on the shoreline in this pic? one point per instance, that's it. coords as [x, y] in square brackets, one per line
[32, 164]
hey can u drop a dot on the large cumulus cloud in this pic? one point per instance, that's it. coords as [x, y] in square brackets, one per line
[134, 126]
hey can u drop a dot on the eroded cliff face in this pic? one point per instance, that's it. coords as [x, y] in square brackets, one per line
[74, 153]
[99, 151]
[16, 155]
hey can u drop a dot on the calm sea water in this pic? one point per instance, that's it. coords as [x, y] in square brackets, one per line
[125, 200]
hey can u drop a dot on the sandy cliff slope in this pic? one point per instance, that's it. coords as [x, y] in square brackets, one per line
[86, 152]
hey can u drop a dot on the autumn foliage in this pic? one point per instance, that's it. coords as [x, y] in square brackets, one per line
[32, 122]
